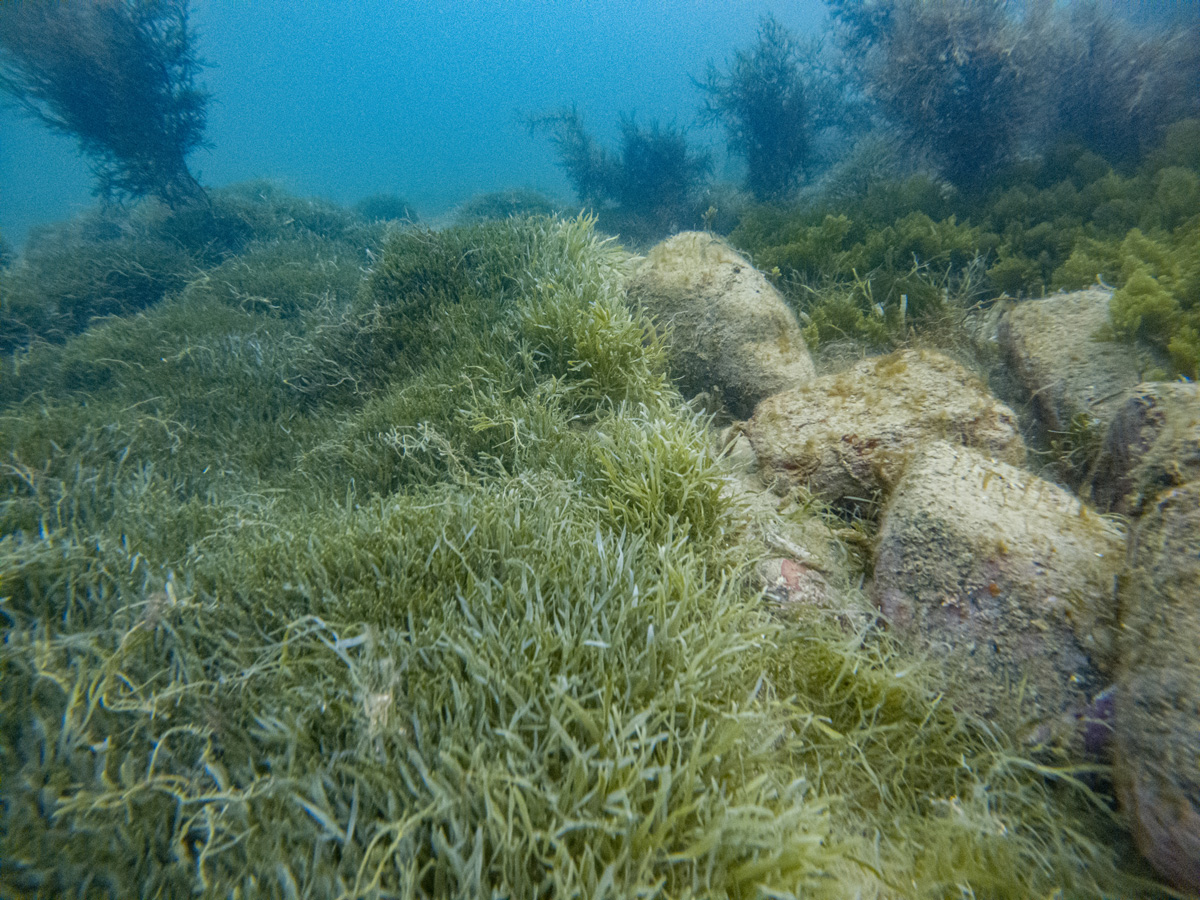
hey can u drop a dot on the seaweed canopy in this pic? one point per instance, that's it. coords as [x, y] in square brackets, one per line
[958, 77]
[647, 190]
[119, 77]
[1118, 87]
[479, 628]
[773, 100]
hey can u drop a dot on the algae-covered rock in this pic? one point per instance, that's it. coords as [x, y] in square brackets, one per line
[1009, 577]
[848, 436]
[805, 565]
[1055, 349]
[1158, 695]
[1152, 444]
[729, 329]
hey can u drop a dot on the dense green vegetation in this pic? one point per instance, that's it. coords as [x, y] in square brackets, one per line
[429, 585]
[885, 256]
[119, 260]
[341, 557]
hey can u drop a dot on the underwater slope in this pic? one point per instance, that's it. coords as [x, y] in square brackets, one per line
[431, 589]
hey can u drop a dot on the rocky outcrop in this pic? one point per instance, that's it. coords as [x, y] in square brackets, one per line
[1011, 579]
[803, 565]
[847, 437]
[1055, 351]
[1029, 597]
[1157, 766]
[1152, 445]
[728, 329]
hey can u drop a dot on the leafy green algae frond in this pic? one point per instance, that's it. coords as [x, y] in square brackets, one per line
[879, 260]
[434, 590]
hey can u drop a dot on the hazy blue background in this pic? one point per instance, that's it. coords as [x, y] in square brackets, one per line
[346, 98]
[415, 97]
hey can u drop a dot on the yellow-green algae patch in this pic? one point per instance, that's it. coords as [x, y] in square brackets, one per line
[434, 591]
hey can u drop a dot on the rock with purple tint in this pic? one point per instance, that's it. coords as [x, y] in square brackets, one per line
[1152, 445]
[1157, 722]
[1008, 578]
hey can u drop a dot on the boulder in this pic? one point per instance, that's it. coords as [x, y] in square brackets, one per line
[1152, 445]
[1054, 347]
[804, 564]
[847, 437]
[1010, 579]
[1157, 721]
[728, 330]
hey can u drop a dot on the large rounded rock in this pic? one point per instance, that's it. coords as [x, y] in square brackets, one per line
[847, 437]
[1157, 769]
[728, 329]
[1009, 578]
[1054, 349]
[1152, 445]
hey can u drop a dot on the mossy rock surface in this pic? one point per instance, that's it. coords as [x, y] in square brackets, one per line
[1056, 349]
[847, 437]
[728, 328]
[806, 565]
[1009, 578]
[1152, 445]
[1158, 694]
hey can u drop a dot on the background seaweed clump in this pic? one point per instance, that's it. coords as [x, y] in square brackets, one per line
[876, 259]
[117, 260]
[651, 187]
[470, 619]
[776, 101]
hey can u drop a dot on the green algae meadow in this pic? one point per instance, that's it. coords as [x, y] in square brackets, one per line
[872, 255]
[345, 556]
[387, 562]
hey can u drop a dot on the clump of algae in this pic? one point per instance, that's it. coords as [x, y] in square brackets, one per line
[434, 591]
[881, 261]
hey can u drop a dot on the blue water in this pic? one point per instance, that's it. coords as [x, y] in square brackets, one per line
[412, 97]
[423, 98]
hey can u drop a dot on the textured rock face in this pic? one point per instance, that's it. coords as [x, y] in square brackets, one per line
[802, 552]
[1051, 347]
[850, 435]
[1157, 722]
[1152, 445]
[729, 328]
[1008, 577]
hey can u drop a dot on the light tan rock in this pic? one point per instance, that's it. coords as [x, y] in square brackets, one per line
[847, 437]
[728, 329]
[1157, 765]
[1053, 349]
[1009, 578]
[1152, 445]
